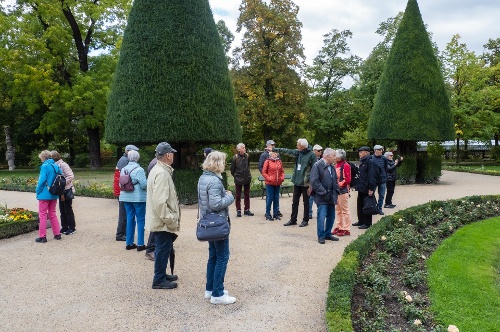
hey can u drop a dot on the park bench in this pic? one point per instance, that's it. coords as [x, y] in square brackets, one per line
[286, 186]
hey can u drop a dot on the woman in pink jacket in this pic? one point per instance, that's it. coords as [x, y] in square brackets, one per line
[274, 175]
[68, 225]
[343, 216]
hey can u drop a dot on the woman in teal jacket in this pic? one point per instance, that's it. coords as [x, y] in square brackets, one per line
[46, 201]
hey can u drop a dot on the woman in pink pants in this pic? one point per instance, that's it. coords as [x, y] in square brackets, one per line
[343, 216]
[46, 201]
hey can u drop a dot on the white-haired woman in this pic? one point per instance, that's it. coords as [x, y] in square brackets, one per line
[46, 201]
[135, 202]
[343, 170]
[214, 198]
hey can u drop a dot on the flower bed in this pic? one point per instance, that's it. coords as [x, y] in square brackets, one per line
[381, 281]
[16, 221]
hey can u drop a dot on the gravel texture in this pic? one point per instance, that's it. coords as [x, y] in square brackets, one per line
[89, 282]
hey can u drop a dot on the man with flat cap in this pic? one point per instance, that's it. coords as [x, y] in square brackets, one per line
[366, 185]
[122, 214]
[163, 214]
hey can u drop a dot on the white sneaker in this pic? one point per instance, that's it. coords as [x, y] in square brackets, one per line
[224, 299]
[208, 294]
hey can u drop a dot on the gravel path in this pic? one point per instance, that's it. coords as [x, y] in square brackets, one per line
[89, 282]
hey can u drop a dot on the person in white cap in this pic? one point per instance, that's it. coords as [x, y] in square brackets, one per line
[318, 151]
[122, 214]
[391, 178]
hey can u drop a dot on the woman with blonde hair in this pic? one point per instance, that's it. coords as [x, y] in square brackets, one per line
[46, 201]
[212, 197]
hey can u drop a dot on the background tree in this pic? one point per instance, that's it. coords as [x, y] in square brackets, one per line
[412, 103]
[172, 82]
[492, 91]
[329, 101]
[269, 91]
[66, 51]
[226, 38]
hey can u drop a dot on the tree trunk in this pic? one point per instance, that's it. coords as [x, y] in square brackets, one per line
[496, 139]
[10, 154]
[457, 158]
[71, 142]
[407, 148]
[94, 148]
[186, 156]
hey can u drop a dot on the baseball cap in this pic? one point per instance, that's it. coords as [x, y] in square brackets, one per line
[207, 150]
[364, 148]
[317, 147]
[164, 148]
[378, 147]
[270, 142]
[131, 147]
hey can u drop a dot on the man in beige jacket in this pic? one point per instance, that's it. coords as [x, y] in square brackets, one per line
[163, 214]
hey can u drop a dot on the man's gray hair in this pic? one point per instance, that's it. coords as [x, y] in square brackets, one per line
[303, 142]
[328, 152]
[239, 146]
[133, 155]
[340, 154]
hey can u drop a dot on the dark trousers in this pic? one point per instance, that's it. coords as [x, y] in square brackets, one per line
[297, 192]
[150, 247]
[363, 220]
[67, 215]
[121, 230]
[164, 243]
[390, 192]
[246, 193]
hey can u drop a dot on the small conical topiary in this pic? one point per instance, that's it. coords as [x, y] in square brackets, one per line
[412, 103]
[172, 81]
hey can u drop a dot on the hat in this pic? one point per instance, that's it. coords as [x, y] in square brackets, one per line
[388, 153]
[270, 142]
[317, 147]
[131, 147]
[164, 148]
[207, 150]
[378, 147]
[364, 148]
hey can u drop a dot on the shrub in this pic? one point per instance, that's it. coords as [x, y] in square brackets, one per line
[82, 160]
[428, 169]
[408, 170]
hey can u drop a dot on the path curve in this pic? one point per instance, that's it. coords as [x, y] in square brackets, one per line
[89, 282]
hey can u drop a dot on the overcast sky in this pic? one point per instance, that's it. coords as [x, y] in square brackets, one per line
[475, 21]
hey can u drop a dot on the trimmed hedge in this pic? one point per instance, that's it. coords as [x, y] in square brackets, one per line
[342, 278]
[15, 228]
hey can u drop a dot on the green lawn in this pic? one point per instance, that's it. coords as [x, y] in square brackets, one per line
[464, 278]
[485, 169]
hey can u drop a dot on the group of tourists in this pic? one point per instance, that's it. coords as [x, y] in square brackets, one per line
[320, 176]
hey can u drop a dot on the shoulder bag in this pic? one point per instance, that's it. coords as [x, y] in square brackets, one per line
[212, 226]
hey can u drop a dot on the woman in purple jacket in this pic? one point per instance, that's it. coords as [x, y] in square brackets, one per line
[46, 201]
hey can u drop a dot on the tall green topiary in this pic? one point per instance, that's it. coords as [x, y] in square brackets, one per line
[172, 82]
[411, 103]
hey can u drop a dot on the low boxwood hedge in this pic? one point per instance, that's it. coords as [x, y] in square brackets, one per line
[14, 228]
[450, 215]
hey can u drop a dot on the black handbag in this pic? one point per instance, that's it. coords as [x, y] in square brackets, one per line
[370, 206]
[212, 226]
[69, 194]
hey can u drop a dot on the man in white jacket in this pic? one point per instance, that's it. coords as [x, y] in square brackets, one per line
[163, 214]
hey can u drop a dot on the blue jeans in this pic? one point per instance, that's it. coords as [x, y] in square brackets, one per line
[326, 217]
[135, 210]
[218, 256]
[272, 197]
[163, 246]
[381, 195]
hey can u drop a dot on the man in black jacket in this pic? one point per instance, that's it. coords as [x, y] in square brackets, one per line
[381, 162]
[366, 185]
[240, 170]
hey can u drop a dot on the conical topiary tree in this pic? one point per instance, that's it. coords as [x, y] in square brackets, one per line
[172, 82]
[411, 103]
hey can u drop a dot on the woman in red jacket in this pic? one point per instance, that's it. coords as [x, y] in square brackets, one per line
[273, 173]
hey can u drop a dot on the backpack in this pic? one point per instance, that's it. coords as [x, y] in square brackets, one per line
[57, 186]
[354, 174]
[125, 181]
